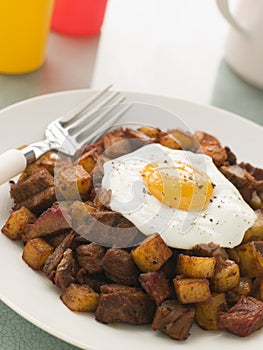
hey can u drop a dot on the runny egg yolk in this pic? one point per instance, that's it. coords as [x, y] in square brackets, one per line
[179, 186]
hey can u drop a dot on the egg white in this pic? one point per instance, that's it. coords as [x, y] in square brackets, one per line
[224, 221]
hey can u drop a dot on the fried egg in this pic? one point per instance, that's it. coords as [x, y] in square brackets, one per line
[179, 194]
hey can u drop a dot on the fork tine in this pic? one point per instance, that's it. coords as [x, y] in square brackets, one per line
[93, 115]
[100, 117]
[75, 112]
[90, 133]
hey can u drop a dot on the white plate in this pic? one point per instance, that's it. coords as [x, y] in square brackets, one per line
[35, 298]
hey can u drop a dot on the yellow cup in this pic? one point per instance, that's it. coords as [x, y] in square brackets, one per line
[24, 28]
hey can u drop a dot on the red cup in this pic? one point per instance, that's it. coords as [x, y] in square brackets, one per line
[78, 17]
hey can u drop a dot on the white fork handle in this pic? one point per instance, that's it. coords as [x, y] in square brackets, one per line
[12, 163]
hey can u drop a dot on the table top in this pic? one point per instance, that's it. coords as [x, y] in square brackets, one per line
[170, 47]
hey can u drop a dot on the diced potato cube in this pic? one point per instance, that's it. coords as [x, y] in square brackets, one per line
[186, 140]
[48, 160]
[255, 232]
[151, 254]
[169, 141]
[80, 298]
[195, 266]
[226, 276]
[207, 311]
[88, 160]
[73, 181]
[191, 290]
[151, 132]
[16, 223]
[36, 251]
[250, 259]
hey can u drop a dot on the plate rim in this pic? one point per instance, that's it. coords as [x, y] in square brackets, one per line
[130, 92]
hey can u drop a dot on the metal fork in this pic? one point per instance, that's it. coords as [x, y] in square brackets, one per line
[81, 125]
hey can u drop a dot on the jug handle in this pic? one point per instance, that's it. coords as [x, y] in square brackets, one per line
[223, 6]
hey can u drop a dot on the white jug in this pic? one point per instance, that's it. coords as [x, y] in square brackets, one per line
[244, 46]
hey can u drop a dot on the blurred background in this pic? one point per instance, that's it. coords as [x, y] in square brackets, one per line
[169, 47]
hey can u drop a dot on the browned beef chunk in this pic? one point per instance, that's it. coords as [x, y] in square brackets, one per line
[240, 178]
[126, 235]
[245, 317]
[105, 217]
[53, 220]
[156, 286]
[119, 266]
[108, 228]
[98, 171]
[248, 180]
[95, 281]
[173, 319]
[169, 267]
[257, 173]
[39, 202]
[97, 226]
[90, 256]
[37, 182]
[122, 141]
[231, 158]
[56, 239]
[98, 146]
[115, 143]
[36, 191]
[252, 191]
[209, 249]
[54, 259]
[67, 268]
[124, 304]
